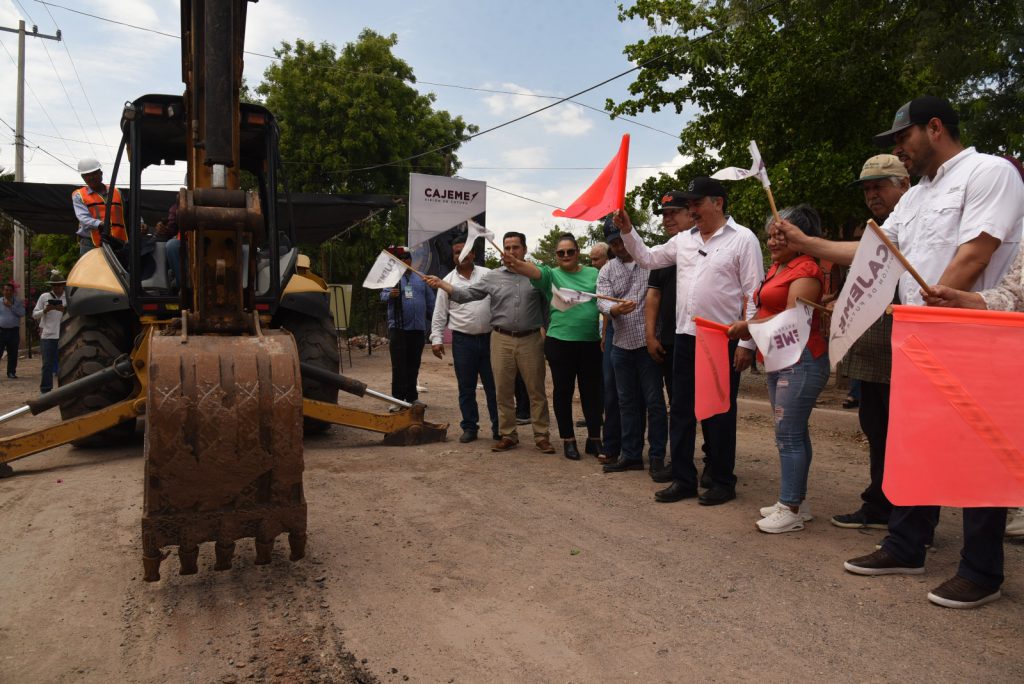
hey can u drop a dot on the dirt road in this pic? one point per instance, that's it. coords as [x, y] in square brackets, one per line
[447, 563]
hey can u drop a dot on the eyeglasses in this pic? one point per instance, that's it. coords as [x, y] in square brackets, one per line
[565, 252]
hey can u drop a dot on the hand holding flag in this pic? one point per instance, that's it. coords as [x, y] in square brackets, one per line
[606, 194]
[782, 338]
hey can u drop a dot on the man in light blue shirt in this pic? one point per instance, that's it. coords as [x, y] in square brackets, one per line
[12, 310]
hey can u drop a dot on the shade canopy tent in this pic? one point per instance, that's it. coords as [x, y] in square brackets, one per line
[46, 208]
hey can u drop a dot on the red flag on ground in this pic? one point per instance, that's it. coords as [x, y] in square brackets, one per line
[711, 369]
[606, 194]
[955, 433]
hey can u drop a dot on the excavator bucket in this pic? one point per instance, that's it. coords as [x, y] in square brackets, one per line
[416, 430]
[223, 450]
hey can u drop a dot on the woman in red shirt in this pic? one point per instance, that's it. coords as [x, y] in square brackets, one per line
[794, 390]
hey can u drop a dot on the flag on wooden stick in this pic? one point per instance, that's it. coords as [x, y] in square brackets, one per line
[606, 194]
[711, 370]
[955, 433]
[385, 272]
[782, 338]
[756, 170]
[474, 231]
[868, 290]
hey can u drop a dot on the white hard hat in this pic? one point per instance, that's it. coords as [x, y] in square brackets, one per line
[88, 165]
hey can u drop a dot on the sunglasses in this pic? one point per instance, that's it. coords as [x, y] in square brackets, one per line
[565, 252]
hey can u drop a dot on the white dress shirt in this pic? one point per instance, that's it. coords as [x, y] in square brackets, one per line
[971, 194]
[713, 277]
[49, 321]
[471, 318]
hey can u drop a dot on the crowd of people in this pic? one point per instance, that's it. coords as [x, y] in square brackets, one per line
[628, 341]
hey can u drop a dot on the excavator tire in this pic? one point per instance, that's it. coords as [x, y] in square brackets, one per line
[89, 344]
[317, 342]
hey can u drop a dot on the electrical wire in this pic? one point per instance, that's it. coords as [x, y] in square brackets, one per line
[46, 113]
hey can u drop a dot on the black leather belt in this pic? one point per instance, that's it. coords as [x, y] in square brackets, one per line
[457, 332]
[513, 333]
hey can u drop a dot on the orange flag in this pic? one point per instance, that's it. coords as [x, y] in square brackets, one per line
[606, 194]
[711, 369]
[956, 437]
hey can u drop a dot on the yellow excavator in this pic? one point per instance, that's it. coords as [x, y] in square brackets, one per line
[233, 363]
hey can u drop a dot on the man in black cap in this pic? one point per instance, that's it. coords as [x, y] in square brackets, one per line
[718, 267]
[960, 226]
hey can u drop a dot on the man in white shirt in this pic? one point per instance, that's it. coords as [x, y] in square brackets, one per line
[49, 311]
[960, 226]
[470, 324]
[718, 267]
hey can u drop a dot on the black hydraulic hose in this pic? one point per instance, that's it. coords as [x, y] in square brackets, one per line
[333, 379]
[120, 368]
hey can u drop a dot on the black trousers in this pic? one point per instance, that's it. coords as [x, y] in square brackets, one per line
[874, 422]
[666, 369]
[575, 363]
[719, 431]
[406, 347]
[981, 558]
[9, 344]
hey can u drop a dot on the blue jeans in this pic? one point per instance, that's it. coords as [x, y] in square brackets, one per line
[173, 253]
[471, 355]
[49, 352]
[639, 382]
[612, 434]
[792, 392]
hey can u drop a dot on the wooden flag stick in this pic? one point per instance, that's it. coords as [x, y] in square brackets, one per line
[404, 265]
[823, 309]
[771, 203]
[611, 299]
[493, 244]
[899, 255]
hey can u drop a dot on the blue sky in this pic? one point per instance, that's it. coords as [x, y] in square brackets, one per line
[555, 47]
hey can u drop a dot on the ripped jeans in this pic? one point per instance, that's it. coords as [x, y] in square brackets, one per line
[792, 392]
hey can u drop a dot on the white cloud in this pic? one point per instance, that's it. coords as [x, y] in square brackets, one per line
[534, 156]
[564, 119]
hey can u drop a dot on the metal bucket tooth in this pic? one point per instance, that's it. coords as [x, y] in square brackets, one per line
[189, 559]
[223, 447]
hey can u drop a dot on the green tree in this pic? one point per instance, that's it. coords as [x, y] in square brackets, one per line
[346, 120]
[813, 80]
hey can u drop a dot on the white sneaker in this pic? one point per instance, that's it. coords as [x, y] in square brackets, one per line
[1015, 522]
[805, 510]
[782, 520]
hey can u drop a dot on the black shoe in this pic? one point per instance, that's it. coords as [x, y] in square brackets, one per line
[571, 451]
[622, 465]
[661, 474]
[593, 447]
[5, 470]
[674, 492]
[859, 520]
[716, 495]
[705, 479]
[12, 376]
[467, 436]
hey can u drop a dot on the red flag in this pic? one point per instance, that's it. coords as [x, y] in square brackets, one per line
[711, 369]
[606, 194]
[955, 433]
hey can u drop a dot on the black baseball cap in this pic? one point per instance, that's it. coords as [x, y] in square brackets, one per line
[611, 232]
[919, 111]
[701, 187]
[674, 199]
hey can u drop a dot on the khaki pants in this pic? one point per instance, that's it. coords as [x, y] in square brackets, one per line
[525, 354]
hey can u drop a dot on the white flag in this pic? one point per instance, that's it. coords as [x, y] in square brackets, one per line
[385, 272]
[562, 298]
[869, 289]
[439, 203]
[474, 231]
[757, 169]
[782, 338]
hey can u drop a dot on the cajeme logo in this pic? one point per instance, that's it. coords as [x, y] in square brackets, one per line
[449, 196]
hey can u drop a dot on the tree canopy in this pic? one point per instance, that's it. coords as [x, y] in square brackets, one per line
[813, 80]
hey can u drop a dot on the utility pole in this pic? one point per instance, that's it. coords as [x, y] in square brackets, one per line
[19, 155]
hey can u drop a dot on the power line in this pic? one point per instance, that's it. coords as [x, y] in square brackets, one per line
[78, 77]
[74, 140]
[522, 197]
[46, 113]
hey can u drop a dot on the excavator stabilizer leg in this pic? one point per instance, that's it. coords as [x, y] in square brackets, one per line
[223, 447]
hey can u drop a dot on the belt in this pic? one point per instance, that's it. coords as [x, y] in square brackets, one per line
[459, 332]
[513, 333]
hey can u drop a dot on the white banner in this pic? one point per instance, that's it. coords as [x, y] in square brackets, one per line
[385, 272]
[868, 290]
[782, 338]
[757, 169]
[474, 232]
[438, 203]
